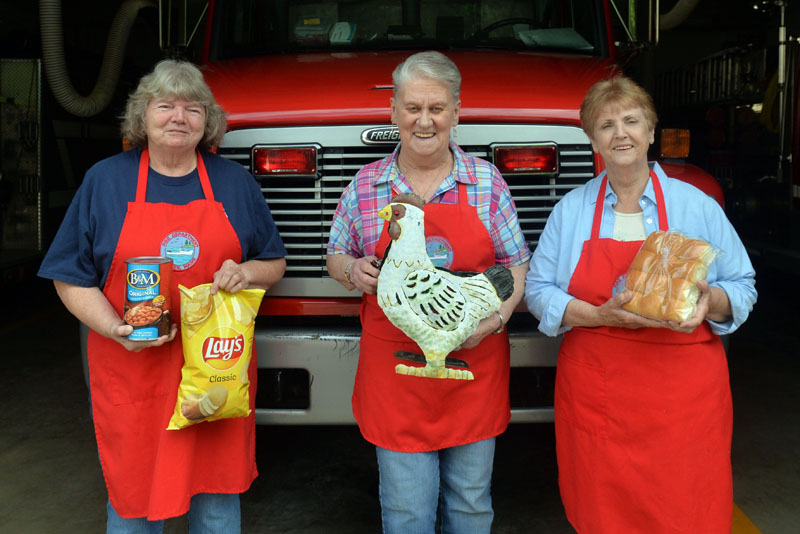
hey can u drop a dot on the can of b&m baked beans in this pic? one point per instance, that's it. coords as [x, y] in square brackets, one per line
[147, 302]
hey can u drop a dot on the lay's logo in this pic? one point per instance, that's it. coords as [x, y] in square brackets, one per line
[222, 348]
[143, 278]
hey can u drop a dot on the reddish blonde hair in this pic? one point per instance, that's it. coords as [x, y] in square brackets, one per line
[619, 90]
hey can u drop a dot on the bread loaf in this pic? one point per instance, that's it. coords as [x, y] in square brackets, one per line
[645, 260]
[663, 276]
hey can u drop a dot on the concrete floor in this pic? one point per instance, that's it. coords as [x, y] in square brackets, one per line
[323, 479]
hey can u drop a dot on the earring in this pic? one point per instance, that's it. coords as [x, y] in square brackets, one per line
[455, 130]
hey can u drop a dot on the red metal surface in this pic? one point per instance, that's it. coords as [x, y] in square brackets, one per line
[696, 176]
[309, 306]
[686, 172]
[547, 88]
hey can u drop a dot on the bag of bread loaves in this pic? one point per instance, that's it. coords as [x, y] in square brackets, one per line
[664, 274]
[217, 336]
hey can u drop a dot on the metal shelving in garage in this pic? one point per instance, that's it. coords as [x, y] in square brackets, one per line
[20, 168]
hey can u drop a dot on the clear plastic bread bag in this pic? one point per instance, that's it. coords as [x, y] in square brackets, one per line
[664, 274]
[217, 335]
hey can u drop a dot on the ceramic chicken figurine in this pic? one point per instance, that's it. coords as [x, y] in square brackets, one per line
[436, 308]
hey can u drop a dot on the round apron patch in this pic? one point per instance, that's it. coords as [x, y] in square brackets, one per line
[182, 248]
[440, 251]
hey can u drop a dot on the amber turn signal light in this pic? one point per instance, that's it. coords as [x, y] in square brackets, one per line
[674, 143]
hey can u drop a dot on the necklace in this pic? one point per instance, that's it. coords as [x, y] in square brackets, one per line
[414, 188]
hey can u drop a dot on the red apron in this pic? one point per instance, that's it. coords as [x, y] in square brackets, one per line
[150, 471]
[643, 418]
[415, 414]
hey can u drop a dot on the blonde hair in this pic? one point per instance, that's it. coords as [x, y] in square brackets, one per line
[619, 90]
[172, 79]
[431, 64]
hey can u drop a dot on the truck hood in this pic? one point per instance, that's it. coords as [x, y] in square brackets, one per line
[354, 88]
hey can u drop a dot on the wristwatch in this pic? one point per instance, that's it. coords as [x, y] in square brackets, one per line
[502, 323]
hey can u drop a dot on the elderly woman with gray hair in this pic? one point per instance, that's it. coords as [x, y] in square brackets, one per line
[434, 436]
[167, 194]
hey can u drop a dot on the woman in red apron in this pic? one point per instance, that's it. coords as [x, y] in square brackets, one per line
[434, 436]
[643, 411]
[152, 473]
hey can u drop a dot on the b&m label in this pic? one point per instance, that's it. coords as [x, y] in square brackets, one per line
[147, 302]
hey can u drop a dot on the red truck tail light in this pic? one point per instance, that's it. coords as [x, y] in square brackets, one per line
[527, 159]
[294, 161]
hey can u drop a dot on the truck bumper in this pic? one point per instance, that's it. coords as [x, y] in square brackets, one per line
[321, 364]
[325, 362]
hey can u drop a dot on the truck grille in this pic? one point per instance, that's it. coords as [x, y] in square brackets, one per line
[303, 207]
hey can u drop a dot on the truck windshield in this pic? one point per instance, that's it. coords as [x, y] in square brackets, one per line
[243, 28]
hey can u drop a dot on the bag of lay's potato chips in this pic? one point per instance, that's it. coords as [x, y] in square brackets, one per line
[217, 336]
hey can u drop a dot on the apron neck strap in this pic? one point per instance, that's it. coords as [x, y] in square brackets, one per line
[144, 167]
[204, 181]
[663, 225]
[462, 193]
[598, 208]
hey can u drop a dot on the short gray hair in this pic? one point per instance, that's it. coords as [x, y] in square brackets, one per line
[173, 79]
[431, 64]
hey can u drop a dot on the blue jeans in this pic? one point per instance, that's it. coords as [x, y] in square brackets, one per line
[209, 513]
[456, 480]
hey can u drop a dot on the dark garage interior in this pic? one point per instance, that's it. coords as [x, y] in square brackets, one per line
[323, 477]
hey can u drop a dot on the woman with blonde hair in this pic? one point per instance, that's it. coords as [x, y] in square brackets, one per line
[169, 193]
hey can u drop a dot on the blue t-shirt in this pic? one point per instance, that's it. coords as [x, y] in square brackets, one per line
[84, 246]
[689, 211]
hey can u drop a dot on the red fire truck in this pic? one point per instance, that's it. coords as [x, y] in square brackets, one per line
[306, 85]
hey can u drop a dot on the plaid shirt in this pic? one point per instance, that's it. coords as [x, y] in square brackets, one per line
[356, 226]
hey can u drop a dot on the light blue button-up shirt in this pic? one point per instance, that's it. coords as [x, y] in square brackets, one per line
[689, 211]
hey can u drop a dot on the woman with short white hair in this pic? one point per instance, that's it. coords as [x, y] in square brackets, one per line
[434, 436]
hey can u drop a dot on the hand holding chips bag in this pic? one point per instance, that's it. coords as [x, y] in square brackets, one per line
[217, 335]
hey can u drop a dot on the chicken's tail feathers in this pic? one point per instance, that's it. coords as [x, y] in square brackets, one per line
[501, 279]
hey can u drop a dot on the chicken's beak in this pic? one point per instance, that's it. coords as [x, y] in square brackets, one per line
[386, 213]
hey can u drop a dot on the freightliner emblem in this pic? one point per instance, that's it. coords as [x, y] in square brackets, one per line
[385, 135]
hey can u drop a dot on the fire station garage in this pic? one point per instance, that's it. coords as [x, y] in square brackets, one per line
[306, 86]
